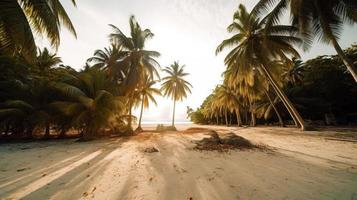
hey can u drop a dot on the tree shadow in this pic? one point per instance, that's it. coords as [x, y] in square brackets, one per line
[69, 172]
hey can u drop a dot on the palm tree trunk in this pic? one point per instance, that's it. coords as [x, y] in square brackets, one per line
[293, 112]
[141, 112]
[47, 131]
[352, 69]
[62, 133]
[253, 120]
[173, 113]
[130, 119]
[230, 119]
[252, 116]
[239, 118]
[281, 122]
[225, 116]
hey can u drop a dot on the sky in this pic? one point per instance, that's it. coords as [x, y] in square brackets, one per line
[187, 31]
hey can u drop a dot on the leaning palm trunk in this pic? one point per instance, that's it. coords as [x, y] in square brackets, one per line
[276, 90]
[281, 122]
[290, 107]
[352, 69]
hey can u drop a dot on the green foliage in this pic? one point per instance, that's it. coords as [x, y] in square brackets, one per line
[19, 20]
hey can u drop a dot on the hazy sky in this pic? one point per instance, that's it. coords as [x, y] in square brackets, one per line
[185, 30]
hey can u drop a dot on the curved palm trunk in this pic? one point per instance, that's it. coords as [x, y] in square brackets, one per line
[293, 112]
[281, 122]
[141, 115]
[352, 69]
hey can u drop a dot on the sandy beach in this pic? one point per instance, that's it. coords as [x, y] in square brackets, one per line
[297, 166]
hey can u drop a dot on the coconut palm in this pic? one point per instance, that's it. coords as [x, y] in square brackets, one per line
[315, 18]
[20, 19]
[147, 92]
[175, 86]
[46, 62]
[294, 72]
[108, 59]
[89, 100]
[136, 62]
[256, 47]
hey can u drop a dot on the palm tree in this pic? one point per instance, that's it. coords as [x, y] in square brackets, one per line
[315, 18]
[89, 99]
[294, 72]
[147, 92]
[108, 59]
[136, 62]
[257, 47]
[174, 85]
[20, 19]
[45, 62]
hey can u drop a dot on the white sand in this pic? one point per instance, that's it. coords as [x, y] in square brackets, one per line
[301, 167]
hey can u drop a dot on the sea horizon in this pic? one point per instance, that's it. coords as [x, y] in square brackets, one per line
[163, 122]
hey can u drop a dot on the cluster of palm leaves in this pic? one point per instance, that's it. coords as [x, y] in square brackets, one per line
[22, 20]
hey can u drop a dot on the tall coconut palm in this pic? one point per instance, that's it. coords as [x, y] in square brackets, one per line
[146, 92]
[315, 18]
[175, 86]
[137, 61]
[20, 19]
[254, 46]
